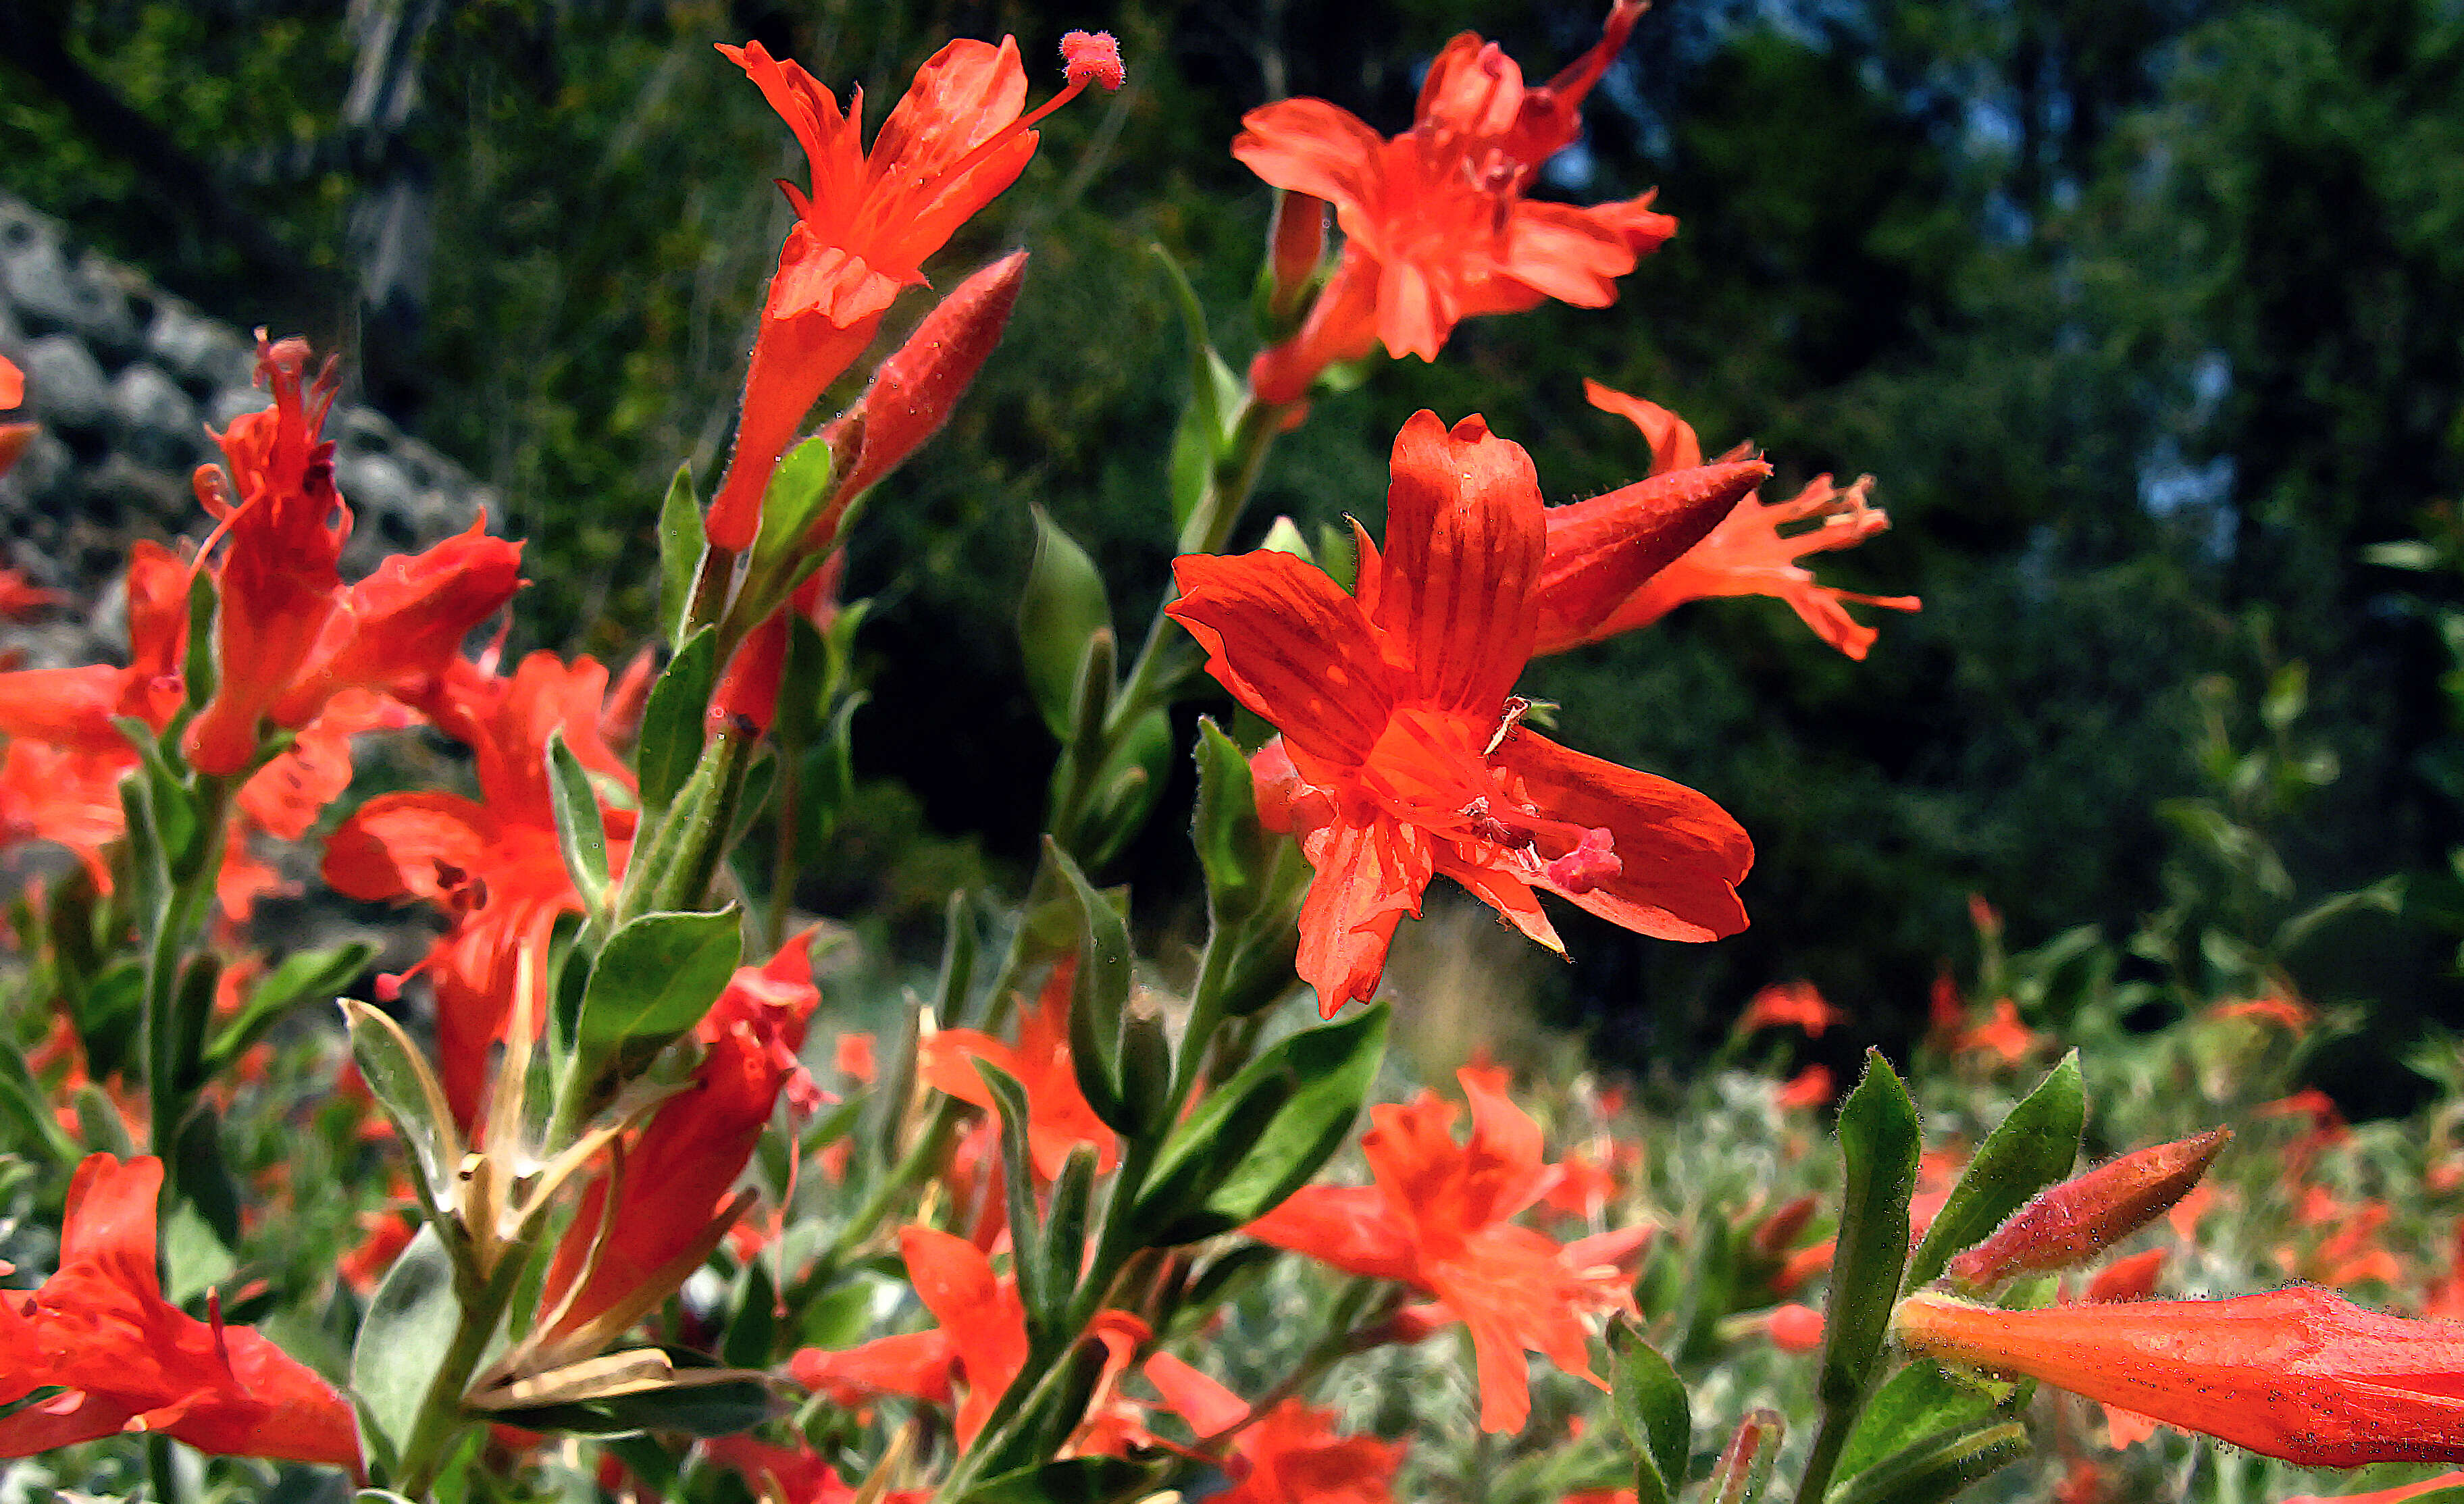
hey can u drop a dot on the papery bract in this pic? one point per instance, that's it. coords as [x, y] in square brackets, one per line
[1436, 223]
[1401, 757]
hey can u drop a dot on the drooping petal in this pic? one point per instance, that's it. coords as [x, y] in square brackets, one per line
[1464, 538]
[1310, 147]
[1346, 1226]
[1679, 855]
[1367, 877]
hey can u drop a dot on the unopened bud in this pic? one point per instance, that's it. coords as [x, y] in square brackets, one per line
[914, 393]
[2082, 1217]
[1779, 1230]
[1295, 245]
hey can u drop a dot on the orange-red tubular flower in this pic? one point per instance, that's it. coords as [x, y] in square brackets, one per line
[288, 635]
[1437, 229]
[949, 149]
[13, 436]
[2301, 1374]
[1401, 757]
[1745, 554]
[1437, 1219]
[127, 1360]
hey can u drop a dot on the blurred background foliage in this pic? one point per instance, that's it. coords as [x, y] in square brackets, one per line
[2144, 313]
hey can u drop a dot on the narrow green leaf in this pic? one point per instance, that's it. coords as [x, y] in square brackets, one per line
[1098, 994]
[1878, 1139]
[671, 720]
[1017, 1177]
[1331, 1068]
[754, 1327]
[581, 835]
[1072, 1480]
[402, 1340]
[398, 1077]
[656, 976]
[798, 489]
[680, 546]
[2035, 1147]
[1063, 606]
[1652, 1410]
[1065, 1224]
[1918, 1402]
[25, 1109]
[310, 974]
[1232, 849]
[1937, 1468]
[197, 668]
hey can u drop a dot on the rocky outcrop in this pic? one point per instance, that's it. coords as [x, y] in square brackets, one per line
[125, 380]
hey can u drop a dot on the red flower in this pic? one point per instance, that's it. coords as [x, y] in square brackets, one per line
[128, 1359]
[13, 436]
[949, 149]
[982, 1340]
[2300, 1374]
[1058, 1117]
[492, 863]
[770, 1006]
[288, 634]
[75, 707]
[1437, 227]
[1785, 1003]
[1400, 756]
[1288, 1455]
[672, 1186]
[1746, 555]
[1435, 1220]
[2079, 1218]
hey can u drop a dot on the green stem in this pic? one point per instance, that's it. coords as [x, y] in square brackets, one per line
[162, 1468]
[1829, 1439]
[441, 1419]
[1211, 524]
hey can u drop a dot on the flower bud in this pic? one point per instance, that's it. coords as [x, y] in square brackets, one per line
[912, 394]
[2082, 1217]
[1295, 245]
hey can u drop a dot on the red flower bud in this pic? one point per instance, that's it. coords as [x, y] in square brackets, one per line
[912, 394]
[1296, 243]
[2082, 1217]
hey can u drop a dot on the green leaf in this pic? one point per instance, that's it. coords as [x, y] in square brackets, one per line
[1232, 849]
[1098, 994]
[1879, 1140]
[1330, 1070]
[798, 489]
[2035, 1147]
[26, 1110]
[197, 668]
[1017, 1177]
[671, 720]
[581, 835]
[1062, 607]
[402, 1340]
[398, 1077]
[1937, 1468]
[1652, 1410]
[308, 974]
[657, 976]
[754, 1327]
[680, 546]
[1064, 1226]
[1918, 1402]
[1072, 1480]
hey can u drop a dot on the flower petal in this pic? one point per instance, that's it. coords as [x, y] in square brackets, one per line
[1464, 539]
[1681, 854]
[1291, 646]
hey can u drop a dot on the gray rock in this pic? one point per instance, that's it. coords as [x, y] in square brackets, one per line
[358, 428]
[65, 387]
[52, 294]
[202, 353]
[130, 497]
[40, 474]
[232, 402]
[153, 420]
[384, 507]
